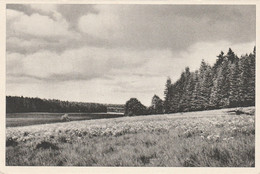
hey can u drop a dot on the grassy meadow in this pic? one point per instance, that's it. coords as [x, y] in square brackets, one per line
[216, 138]
[26, 119]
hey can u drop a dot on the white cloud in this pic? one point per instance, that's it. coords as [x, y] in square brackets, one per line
[44, 7]
[36, 24]
[89, 62]
[31, 44]
[48, 10]
[105, 24]
[12, 15]
[40, 26]
[14, 63]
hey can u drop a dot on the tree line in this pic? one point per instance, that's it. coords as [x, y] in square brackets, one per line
[16, 104]
[230, 82]
[119, 108]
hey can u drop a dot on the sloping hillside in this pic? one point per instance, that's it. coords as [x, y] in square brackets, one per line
[208, 138]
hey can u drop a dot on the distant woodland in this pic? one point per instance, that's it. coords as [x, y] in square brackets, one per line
[230, 82]
[25, 104]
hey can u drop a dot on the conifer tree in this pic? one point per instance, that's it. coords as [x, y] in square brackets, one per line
[252, 79]
[185, 85]
[188, 98]
[224, 84]
[215, 95]
[206, 85]
[231, 56]
[234, 85]
[195, 93]
[245, 76]
[167, 95]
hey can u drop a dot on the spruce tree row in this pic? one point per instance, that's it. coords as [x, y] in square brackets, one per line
[230, 82]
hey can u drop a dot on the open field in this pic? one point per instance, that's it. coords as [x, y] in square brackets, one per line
[216, 138]
[26, 119]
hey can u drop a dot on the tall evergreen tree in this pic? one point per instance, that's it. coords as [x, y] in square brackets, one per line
[231, 56]
[190, 87]
[195, 102]
[206, 85]
[202, 92]
[184, 103]
[252, 79]
[219, 60]
[234, 85]
[224, 83]
[167, 95]
[245, 76]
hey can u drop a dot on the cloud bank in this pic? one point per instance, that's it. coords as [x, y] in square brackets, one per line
[109, 53]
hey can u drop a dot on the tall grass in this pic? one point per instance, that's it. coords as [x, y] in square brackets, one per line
[221, 141]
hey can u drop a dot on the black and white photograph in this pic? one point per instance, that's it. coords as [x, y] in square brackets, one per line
[130, 85]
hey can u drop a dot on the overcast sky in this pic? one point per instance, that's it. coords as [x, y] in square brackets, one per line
[110, 53]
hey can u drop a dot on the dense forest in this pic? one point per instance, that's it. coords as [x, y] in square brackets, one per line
[230, 82]
[25, 104]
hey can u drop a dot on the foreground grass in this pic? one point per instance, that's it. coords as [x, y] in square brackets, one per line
[209, 138]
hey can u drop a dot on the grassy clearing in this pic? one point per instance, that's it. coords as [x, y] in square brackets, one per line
[210, 138]
[26, 119]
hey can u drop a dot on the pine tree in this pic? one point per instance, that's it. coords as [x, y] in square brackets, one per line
[175, 97]
[234, 85]
[245, 77]
[188, 97]
[205, 84]
[185, 95]
[220, 59]
[231, 56]
[215, 96]
[252, 80]
[195, 102]
[167, 94]
[225, 83]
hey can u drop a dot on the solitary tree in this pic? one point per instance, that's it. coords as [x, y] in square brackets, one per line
[134, 107]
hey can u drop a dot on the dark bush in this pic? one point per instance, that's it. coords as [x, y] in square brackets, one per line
[46, 145]
[134, 107]
[11, 142]
[25, 134]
